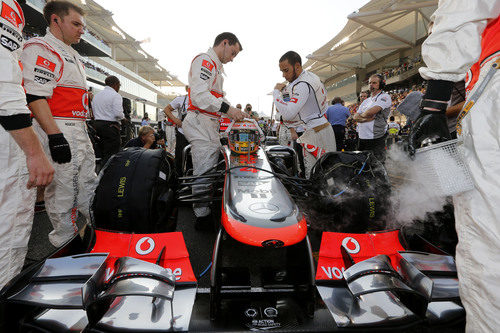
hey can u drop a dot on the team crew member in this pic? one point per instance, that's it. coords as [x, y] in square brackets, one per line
[146, 138]
[372, 117]
[19, 172]
[469, 30]
[54, 79]
[107, 106]
[206, 105]
[180, 104]
[308, 101]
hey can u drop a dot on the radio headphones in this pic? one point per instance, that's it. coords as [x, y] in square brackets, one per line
[381, 81]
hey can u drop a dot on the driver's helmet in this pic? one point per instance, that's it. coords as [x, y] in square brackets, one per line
[244, 137]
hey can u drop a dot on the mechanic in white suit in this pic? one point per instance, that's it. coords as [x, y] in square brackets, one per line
[19, 172]
[308, 102]
[206, 105]
[56, 91]
[466, 33]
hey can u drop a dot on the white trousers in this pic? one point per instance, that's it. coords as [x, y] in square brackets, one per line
[202, 132]
[284, 136]
[74, 183]
[16, 208]
[170, 136]
[324, 139]
[477, 212]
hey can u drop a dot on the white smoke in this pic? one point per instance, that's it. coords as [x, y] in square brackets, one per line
[411, 199]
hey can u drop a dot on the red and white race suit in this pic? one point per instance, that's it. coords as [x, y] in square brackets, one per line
[54, 70]
[467, 32]
[308, 102]
[16, 201]
[201, 125]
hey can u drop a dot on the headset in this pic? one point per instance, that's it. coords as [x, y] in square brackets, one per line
[381, 82]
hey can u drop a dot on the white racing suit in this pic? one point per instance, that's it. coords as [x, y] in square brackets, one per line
[454, 45]
[284, 135]
[54, 70]
[308, 102]
[201, 125]
[16, 201]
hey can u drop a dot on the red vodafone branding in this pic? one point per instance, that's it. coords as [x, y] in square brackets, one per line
[47, 64]
[10, 15]
[360, 246]
[207, 65]
[148, 247]
[351, 245]
[144, 246]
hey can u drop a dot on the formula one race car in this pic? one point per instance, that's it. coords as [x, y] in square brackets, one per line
[132, 272]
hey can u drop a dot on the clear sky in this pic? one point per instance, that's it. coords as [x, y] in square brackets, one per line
[179, 30]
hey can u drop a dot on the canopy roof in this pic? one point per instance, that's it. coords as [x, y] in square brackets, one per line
[375, 30]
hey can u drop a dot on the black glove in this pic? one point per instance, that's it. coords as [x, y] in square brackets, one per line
[59, 148]
[430, 125]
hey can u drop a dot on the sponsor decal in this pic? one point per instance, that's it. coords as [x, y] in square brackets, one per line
[271, 312]
[315, 151]
[41, 80]
[42, 72]
[79, 114]
[85, 102]
[293, 100]
[351, 245]
[121, 185]
[12, 32]
[47, 64]
[207, 64]
[147, 248]
[177, 272]
[384, 99]
[204, 76]
[10, 15]
[9, 43]
[332, 272]
[206, 71]
[69, 60]
[251, 313]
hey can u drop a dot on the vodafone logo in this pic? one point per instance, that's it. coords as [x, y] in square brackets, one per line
[79, 114]
[351, 245]
[10, 15]
[47, 64]
[310, 148]
[85, 101]
[144, 246]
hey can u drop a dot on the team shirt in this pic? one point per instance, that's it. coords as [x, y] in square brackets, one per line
[378, 127]
[108, 105]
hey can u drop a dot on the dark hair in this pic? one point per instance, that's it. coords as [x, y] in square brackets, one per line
[60, 8]
[337, 100]
[292, 57]
[381, 80]
[231, 38]
[111, 80]
[391, 118]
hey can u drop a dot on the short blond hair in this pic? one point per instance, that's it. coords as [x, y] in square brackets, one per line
[145, 130]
